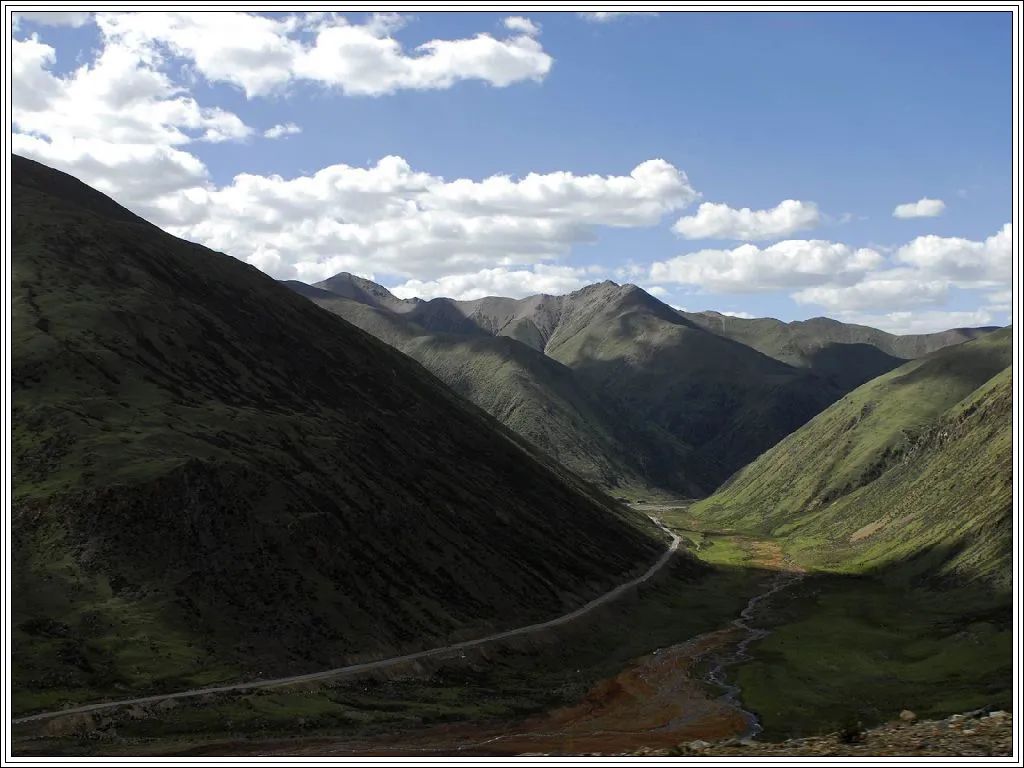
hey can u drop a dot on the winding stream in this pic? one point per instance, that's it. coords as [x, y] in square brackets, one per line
[660, 701]
[716, 673]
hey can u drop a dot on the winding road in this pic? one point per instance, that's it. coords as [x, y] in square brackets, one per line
[369, 666]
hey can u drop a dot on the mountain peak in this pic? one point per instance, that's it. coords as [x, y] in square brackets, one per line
[365, 291]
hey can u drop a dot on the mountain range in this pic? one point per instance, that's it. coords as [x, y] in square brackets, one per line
[623, 389]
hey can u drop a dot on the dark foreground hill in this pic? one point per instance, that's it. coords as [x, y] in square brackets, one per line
[213, 477]
[911, 471]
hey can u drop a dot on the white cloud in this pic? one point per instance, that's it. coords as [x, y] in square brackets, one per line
[391, 218]
[741, 315]
[904, 322]
[719, 221]
[786, 264]
[922, 274]
[843, 279]
[53, 18]
[115, 122]
[262, 55]
[924, 208]
[603, 16]
[247, 50]
[880, 290]
[966, 263]
[116, 97]
[522, 25]
[121, 124]
[282, 129]
[499, 281]
[134, 174]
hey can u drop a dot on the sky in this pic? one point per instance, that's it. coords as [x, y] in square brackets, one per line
[792, 165]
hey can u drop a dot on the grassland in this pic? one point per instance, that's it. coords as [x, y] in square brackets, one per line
[499, 684]
[847, 650]
[842, 650]
[909, 474]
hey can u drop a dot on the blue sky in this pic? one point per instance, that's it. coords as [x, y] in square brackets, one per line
[849, 115]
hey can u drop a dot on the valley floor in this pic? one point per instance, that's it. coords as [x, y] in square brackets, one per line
[690, 658]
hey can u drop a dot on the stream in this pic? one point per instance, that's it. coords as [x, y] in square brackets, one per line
[660, 701]
[716, 673]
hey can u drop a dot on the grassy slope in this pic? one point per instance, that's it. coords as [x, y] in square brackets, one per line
[912, 468]
[542, 401]
[212, 477]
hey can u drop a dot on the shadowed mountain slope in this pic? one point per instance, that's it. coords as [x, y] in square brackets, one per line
[213, 477]
[725, 399]
[541, 400]
[632, 356]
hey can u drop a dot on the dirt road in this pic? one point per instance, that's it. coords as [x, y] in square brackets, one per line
[356, 669]
[669, 697]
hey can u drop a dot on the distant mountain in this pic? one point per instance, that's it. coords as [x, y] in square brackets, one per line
[849, 354]
[365, 292]
[910, 471]
[638, 370]
[725, 399]
[214, 478]
[540, 399]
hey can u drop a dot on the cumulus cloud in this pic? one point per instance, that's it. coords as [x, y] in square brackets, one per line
[115, 122]
[522, 25]
[888, 288]
[719, 221]
[499, 281]
[749, 268]
[924, 208]
[116, 97]
[281, 129]
[120, 123]
[601, 17]
[262, 55]
[965, 263]
[843, 280]
[922, 273]
[134, 174]
[392, 218]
